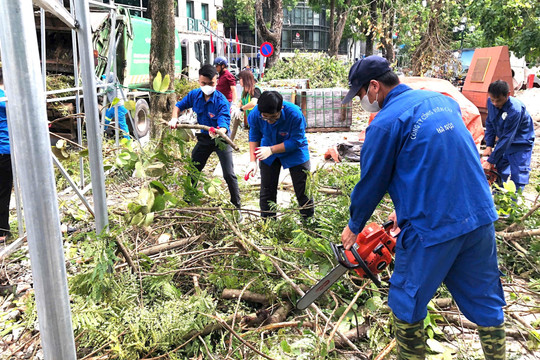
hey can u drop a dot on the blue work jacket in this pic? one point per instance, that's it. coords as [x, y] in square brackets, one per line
[214, 112]
[514, 127]
[289, 129]
[418, 150]
[4, 135]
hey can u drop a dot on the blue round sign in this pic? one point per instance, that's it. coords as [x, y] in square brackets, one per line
[267, 49]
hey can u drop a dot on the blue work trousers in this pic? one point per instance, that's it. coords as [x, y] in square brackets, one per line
[466, 264]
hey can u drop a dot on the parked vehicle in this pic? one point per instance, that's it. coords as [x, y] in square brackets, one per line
[131, 60]
[234, 70]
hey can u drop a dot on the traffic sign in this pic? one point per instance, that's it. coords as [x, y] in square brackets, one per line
[267, 49]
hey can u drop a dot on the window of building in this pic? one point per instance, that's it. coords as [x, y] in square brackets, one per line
[299, 16]
[286, 39]
[316, 40]
[309, 17]
[190, 11]
[316, 20]
[204, 10]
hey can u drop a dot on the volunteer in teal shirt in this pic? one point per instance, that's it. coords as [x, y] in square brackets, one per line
[418, 150]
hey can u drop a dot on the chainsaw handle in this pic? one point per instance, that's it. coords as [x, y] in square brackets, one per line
[339, 253]
[388, 224]
[364, 266]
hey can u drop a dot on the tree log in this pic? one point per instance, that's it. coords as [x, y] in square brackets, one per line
[168, 246]
[247, 296]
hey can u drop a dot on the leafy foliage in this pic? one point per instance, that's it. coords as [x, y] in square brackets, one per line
[321, 70]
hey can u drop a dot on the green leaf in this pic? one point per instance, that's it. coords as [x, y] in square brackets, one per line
[157, 82]
[510, 186]
[139, 171]
[157, 169]
[158, 186]
[130, 105]
[165, 84]
[285, 346]
[159, 203]
[149, 219]
[115, 101]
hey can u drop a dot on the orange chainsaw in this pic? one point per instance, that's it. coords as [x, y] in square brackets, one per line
[370, 254]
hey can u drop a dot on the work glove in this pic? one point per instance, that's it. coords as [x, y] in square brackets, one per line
[251, 170]
[263, 152]
[173, 123]
[213, 132]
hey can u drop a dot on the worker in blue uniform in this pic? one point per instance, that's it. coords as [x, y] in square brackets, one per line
[213, 110]
[418, 149]
[509, 135]
[6, 175]
[277, 138]
[110, 113]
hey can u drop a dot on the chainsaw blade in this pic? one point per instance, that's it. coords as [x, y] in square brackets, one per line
[319, 288]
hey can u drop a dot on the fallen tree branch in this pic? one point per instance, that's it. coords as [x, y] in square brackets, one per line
[228, 327]
[126, 255]
[207, 128]
[168, 246]
[11, 248]
[519, 234]
[457, 320]
[388, 348]
[353, 301]
[247, 296]
[281, 313]
[524, 217]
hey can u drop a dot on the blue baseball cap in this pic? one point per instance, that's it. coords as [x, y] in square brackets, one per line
[363, 71]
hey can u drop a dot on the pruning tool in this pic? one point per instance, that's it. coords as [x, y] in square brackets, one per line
[370, 254]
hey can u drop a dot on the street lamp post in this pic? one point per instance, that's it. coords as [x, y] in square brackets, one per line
[461, 29]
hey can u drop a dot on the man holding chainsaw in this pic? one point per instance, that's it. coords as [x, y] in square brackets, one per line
[418, 150]
[509, 122]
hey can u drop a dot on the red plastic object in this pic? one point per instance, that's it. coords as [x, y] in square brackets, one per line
[375, 247]
[530, 81]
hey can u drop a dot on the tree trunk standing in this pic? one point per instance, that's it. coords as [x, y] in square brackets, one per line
[336, 31]
[161, 59]
[370, 36]
[272, 35]
[387, 40]
[433, 53]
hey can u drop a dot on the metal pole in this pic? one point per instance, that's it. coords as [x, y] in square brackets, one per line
[16, 187]
[43, 49]
[92, 120]
[77, 95]
[72, 183]
[28, 124]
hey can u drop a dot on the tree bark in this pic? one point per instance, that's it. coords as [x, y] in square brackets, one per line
[272, 35]
[161, 59]
[370, 36]
[336, 31]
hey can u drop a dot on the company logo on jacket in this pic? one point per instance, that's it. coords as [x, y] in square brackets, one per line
[211, 115]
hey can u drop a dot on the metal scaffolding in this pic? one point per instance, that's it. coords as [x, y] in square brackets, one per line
[28, 127]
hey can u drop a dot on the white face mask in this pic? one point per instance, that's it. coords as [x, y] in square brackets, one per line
[208, 90]
[370, 107]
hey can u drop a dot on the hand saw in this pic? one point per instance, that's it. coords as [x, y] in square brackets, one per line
[369, 255]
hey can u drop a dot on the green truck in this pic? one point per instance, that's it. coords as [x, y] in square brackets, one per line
[130, 59]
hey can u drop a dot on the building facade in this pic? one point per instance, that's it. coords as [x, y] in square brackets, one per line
[304, 29]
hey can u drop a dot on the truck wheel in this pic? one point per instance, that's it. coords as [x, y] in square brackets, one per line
[141, 119]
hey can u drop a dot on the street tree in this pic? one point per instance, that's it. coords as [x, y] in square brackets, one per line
[512, 23]
[271, 31]
[338, 11]
[162, 45]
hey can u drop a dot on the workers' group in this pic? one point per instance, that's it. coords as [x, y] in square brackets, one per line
[424, 158]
